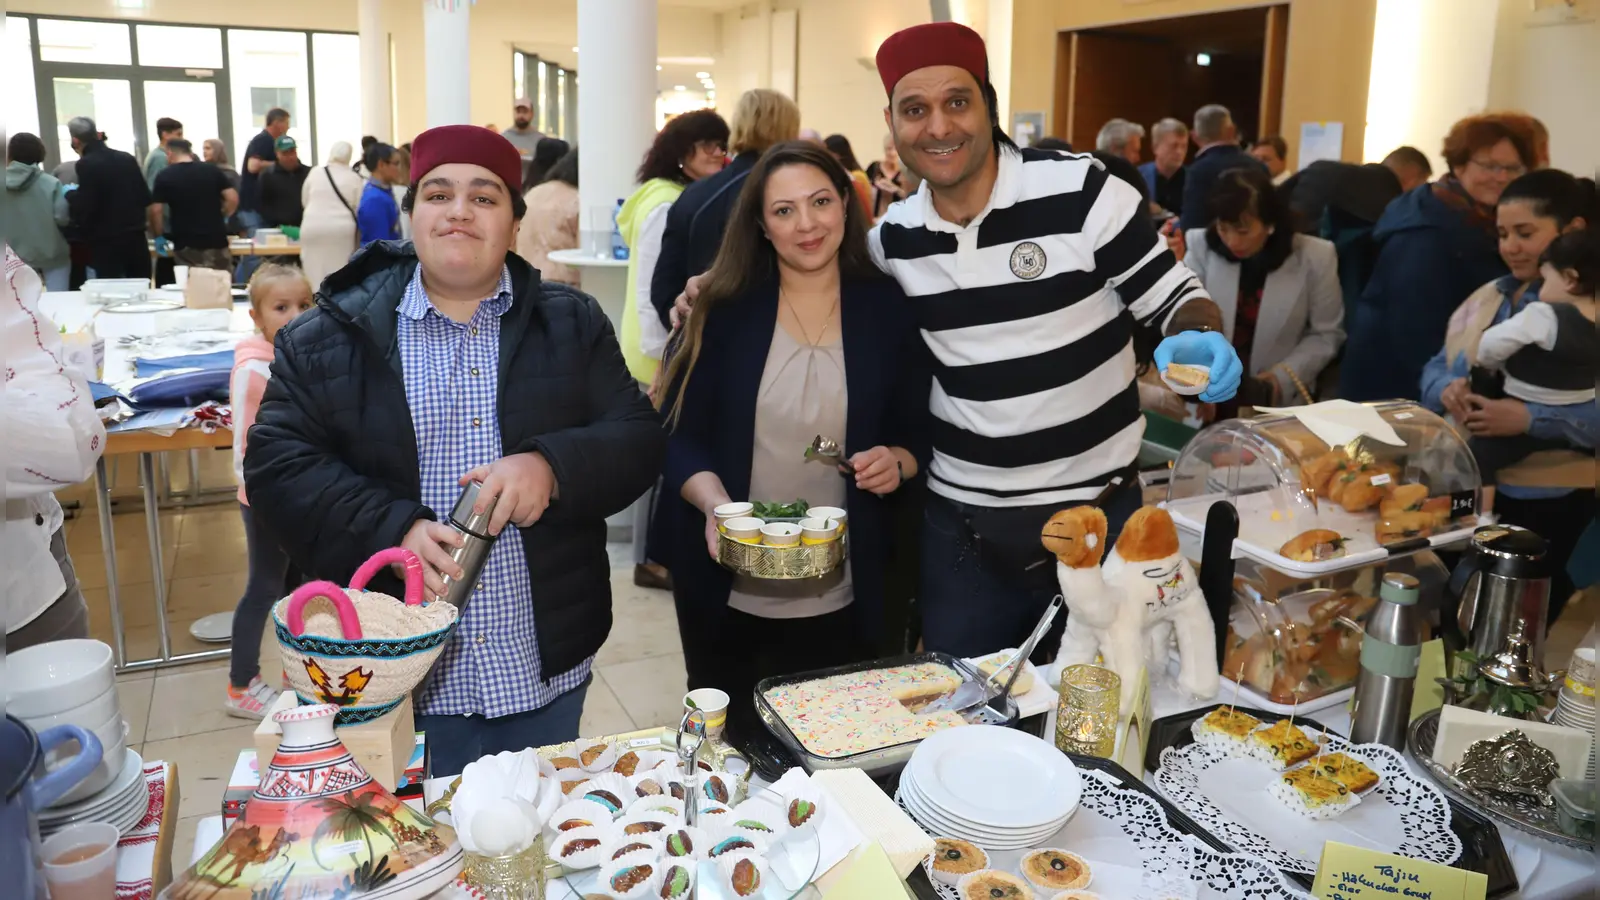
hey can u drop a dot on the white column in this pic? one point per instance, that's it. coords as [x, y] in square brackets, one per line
[616, 116]
[447, 60]
[375, 75]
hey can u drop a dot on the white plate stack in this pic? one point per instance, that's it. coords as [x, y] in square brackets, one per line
[72, 683]
[1575, 704]
[996, 787]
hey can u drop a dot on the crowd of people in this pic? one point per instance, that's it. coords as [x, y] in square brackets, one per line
[980, 325]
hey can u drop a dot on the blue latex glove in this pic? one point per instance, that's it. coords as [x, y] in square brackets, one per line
[163, 247]
[1204, 348]
[69, 188]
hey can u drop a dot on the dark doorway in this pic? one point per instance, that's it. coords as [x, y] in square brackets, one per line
[1146, 71]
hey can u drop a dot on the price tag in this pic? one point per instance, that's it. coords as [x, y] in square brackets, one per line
[1356, 873]
[1463, 503]
[1381, 480]
[636, 743]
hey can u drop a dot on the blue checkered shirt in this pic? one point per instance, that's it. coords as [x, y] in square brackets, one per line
[491, 665]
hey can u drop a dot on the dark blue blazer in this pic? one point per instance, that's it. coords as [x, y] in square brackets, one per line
[887, 380]
[1202, 175]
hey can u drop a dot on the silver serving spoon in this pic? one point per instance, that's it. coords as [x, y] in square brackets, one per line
[828, 450]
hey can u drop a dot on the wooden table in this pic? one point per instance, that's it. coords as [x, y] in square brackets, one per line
[147, 444]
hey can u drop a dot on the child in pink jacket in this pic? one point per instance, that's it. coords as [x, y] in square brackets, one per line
[277, 294]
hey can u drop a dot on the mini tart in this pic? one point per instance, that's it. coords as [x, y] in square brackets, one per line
[1051, 869]
[1350, 771]
[993, 884]
[1076, 895]
[1282, 745]
[954, 858]
[626, 764]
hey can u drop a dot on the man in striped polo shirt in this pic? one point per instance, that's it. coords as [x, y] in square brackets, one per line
[1035, 275]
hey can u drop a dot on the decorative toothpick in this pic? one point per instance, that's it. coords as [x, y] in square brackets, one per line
[1295, 708]
[1232, 707]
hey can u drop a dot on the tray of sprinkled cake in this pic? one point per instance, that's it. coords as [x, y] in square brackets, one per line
[869, 715]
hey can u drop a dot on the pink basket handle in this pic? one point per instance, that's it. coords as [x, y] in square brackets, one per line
[349, 622]
[382, 558]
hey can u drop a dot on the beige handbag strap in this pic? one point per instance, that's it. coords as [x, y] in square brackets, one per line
[1298, 384]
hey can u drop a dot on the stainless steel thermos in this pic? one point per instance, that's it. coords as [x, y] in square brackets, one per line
[1390, 654]
[475, 545]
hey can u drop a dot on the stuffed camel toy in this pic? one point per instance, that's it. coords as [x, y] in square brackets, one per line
[1144, 594]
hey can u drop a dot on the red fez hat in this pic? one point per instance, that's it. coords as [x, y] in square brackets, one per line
[933, 44]
[466, 144]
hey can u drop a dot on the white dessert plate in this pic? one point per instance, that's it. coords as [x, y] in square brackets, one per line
[996, 776]
[984, 837]
[113, 796]
[1227, 796]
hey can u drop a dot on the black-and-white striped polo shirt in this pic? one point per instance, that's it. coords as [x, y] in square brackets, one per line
[1029, 312]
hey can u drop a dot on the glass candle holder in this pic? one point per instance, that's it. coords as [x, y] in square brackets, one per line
[1086, 717]
[519, 876]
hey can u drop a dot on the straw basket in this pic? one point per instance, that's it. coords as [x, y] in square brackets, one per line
[360, 650]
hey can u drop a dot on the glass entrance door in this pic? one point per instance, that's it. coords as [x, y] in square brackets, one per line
[194, 103]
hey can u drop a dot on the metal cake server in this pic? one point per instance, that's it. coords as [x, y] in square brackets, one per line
[972, 694]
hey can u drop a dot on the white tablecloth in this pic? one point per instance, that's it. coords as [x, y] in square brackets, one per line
[72, 311]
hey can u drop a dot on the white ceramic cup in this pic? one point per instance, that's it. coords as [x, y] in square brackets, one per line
[180, 276]
[737, 510]
[713, 704]
[818, 531]
[829, 512]
[780, 534]
[91, 877]
[745, 528]
[50, 678]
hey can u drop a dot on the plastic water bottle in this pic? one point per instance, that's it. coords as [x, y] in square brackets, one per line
[619, 247]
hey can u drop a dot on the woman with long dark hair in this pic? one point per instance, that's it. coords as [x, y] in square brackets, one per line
[839, 146]
[795, 333]
[1551, 492]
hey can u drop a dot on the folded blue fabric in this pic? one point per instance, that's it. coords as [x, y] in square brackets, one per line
[102, 391]
[183, 389]
[217, 359]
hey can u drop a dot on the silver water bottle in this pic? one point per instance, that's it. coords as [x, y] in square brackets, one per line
[1390, 653]
[475, 544]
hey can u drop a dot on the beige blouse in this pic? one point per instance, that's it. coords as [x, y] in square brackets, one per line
[802, 395]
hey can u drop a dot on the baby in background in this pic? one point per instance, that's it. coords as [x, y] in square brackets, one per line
[1547, 353]
[278, 293]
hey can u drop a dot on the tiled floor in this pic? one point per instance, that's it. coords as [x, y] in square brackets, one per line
[176, 714]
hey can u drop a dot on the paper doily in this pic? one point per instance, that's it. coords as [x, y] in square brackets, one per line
[1175, 864]
[1422, 830]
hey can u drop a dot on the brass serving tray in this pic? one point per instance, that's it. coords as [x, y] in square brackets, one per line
[780, 563]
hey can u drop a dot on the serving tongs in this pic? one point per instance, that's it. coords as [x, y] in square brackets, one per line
[972, 694]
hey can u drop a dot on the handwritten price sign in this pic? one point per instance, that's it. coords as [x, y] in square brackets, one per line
[1355, 873]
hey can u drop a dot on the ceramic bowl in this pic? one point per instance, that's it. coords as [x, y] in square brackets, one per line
[91, 714]
[58, 676]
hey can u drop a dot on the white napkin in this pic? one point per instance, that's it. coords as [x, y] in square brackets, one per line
[1338, 422]
[837, 835]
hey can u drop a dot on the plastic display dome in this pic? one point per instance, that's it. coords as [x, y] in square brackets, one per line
[1307, 508]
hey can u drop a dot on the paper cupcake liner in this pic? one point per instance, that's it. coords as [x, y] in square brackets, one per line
[622, 845]
[646, 823]
[634, 877]
[569, 779]
[804, 808]
[609, 790]
[657, 806]
[1083, 881]
[742, 874]
[579, 814]
[950, 878]
[677, 879]
[685, 842]
[580, 848]
[1076, 895]
[965, 885]
[595, 756]
[724, 839]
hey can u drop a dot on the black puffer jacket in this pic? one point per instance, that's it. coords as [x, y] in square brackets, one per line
[331, 466]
